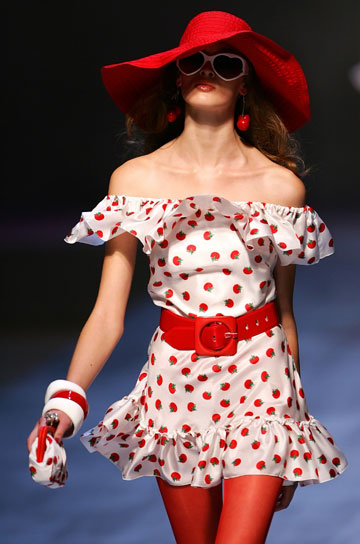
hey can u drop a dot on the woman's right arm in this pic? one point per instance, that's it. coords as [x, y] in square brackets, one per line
[105, 325]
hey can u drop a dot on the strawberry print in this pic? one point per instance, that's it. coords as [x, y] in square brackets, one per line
[215, 255]
[194, 419]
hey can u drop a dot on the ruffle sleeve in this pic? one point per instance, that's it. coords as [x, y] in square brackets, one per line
[116, 214]
[299, 235]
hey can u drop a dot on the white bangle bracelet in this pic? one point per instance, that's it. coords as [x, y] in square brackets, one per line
[59, 385]
[71, 409]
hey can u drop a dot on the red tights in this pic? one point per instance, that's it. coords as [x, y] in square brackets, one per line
[201, 515]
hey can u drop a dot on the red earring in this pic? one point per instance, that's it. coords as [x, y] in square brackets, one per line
[174, 111]
[243, 121]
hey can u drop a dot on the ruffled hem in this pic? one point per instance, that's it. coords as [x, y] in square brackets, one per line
[298, 235]
[302, 452]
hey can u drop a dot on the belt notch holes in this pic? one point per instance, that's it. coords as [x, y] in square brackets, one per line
[266, 318]
[246, 326]
[257, 323]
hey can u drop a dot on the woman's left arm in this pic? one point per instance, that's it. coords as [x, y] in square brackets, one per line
[285, 281]
[290, 191]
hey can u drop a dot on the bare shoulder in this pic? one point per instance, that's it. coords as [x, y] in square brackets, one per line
[130, 177]
[287, 189]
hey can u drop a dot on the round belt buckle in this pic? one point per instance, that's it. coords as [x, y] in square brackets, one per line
[212, 335]
[215, 335]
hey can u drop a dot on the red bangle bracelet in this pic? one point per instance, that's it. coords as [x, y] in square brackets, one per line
[75, 397]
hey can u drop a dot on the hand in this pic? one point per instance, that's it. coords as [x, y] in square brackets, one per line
[285, 496]
[64, 425]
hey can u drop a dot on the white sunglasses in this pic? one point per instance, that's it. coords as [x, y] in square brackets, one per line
[227, 66]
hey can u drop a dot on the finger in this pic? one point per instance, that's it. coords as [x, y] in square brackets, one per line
[31, 438]
[33, 434]
[284, 500]
[61, 429]
[279, 503]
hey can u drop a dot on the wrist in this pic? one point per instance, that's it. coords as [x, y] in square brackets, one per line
[59, 385]
[70, 398]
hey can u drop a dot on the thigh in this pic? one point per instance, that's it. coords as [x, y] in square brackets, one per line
[249, 503]
[193, 512]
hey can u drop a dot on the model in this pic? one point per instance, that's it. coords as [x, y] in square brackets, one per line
[218, 203]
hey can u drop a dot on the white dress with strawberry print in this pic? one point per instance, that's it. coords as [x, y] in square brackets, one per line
[193, 419]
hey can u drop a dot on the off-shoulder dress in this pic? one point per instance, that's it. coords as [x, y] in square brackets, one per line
[194, 419]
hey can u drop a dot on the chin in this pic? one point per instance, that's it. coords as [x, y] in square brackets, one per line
[208, 105]
[214, 98]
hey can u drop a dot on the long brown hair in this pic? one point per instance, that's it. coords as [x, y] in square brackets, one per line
[148, 127]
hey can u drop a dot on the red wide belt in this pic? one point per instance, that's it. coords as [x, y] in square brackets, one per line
[216, 335]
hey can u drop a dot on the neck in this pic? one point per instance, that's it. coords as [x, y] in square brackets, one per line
[209, 143]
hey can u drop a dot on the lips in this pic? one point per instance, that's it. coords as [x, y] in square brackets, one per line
[204, 85]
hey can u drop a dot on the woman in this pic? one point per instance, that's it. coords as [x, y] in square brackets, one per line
[220, 210]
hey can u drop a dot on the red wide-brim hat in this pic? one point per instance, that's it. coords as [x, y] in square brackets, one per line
[278, 71]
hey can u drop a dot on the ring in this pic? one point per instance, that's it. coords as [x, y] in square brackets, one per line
[52, 419]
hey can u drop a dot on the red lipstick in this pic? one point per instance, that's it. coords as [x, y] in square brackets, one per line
[204, 86]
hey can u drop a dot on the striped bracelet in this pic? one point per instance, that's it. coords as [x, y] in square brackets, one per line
[70, 398]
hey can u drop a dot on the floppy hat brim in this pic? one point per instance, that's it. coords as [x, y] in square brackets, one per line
[278, 71]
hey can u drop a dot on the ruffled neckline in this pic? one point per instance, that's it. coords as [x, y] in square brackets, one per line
[298, 233]
[211, 196]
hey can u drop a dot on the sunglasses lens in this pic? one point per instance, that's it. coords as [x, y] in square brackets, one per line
[228, 67]
[191, 64]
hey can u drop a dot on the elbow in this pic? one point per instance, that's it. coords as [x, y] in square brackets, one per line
[116, 329]
[108, 322]
[285, 310]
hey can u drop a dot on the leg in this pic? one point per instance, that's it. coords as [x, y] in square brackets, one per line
[193, 512]
[249, 503]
